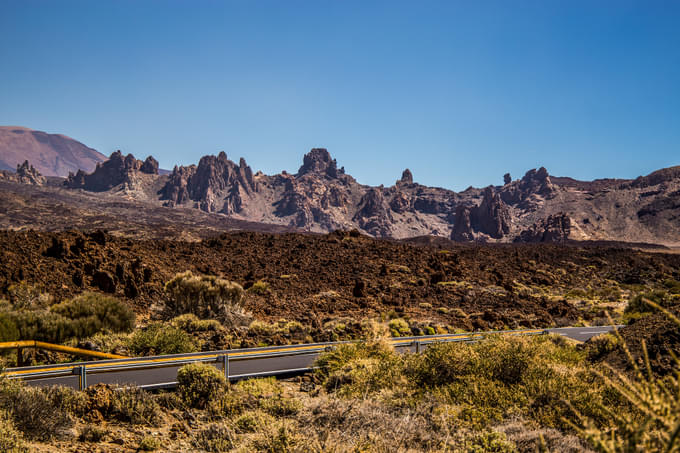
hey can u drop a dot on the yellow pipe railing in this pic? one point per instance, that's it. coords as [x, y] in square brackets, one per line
[19, 345]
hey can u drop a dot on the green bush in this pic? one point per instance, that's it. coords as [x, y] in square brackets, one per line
[637, 304]
[359, 368]
[159, 338]
[93, 312]
[259, 287]
[200, 383]
[206, 296]
[79, 317]
[399, 327]
[8, 328]
[191, 324]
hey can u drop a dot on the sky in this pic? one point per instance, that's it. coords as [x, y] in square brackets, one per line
[459, 92]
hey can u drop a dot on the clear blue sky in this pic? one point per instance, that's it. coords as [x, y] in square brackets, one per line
[459, 92]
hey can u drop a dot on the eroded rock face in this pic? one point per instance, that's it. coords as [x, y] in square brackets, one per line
[406, 177]
[118, 169]
[554, 228]
[319, 162]
[533, 183]
[374, 214]
[491, 218]
[25, 174]
[217, 184]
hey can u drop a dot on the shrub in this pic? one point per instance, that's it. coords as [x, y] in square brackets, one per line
[33, 411]
[206, 296]
[92, 433]
[80, 317]
[600, 346]
[638, 304]
[134, 405]
[259, 287]
[24, 296]
[200, 383]
[399, 327]
[149, 443]
[159, 338]
[8, 328]
[191, 324]
[93, 312]
[361, 368]
[215, 438]
[651, 422]
[253, 421]
[11, 440]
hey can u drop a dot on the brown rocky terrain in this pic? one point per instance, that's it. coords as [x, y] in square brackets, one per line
[314, 278]
[51, 154]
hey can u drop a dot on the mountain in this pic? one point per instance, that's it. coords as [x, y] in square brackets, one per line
[50, 154]
[321, 197]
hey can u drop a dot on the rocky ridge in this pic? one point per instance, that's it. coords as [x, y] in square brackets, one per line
[321, 197]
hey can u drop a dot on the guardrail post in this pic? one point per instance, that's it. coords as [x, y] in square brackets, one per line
[225, 366]
[417, 347]
[81, 371]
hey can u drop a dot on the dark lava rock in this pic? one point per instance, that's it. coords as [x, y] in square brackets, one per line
[104, 281]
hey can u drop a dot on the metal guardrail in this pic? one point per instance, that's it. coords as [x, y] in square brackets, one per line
[224, 360]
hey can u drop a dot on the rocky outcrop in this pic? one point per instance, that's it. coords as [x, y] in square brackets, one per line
[554, 228]
[321, 197]
[662, 176]
[319, 162]
[118, 169]
[25, 174]
[216, 185]
[535, 185]
[490, 219]
[150, 166]
[374, 215]
[406, 177]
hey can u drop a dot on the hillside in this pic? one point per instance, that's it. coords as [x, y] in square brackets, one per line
[50, 154]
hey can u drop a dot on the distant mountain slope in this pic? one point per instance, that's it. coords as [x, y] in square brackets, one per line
[50, 154]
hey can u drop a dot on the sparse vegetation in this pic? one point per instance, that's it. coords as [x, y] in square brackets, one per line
[200, 383]
[160, 338]
[205, 296]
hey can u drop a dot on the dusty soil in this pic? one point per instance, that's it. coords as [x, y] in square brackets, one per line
[315, 278]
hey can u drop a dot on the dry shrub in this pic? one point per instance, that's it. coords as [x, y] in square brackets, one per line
[92, 433]
[205, 296]
[216, 437]
[39, 413]
[11, 440]
[653, 421]
[265, 394]
[124, 403]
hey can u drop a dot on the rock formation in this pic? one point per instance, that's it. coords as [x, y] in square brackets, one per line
[554, 228]
[25, 174]
[321, 197]
[491, 218]
[117, 170]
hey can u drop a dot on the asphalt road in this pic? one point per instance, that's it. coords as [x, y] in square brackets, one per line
[161, 371]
